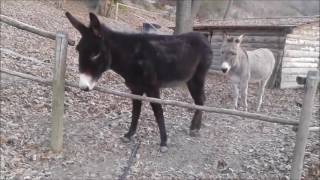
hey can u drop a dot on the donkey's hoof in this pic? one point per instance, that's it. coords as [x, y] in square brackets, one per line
[125, 139]
[194, 133]
[163, 149]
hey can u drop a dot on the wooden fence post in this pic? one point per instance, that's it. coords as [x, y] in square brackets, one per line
[303, 128]
[58, 91]
[117, 11]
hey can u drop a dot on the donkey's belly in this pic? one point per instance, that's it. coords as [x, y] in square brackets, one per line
[174, 82]
[261, 64]
[254, 80]
[170, 84]
[175, 77]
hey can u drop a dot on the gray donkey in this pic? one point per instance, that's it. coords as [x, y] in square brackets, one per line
[245, 66]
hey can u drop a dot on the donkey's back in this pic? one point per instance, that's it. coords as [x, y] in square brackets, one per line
[261, 62]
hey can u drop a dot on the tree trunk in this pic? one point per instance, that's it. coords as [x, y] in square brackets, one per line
[195, 8]
[183, 17]
[226, 12]
[103, 7]
[109, 9]
[186, 12]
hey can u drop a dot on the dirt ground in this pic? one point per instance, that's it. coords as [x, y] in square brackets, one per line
[229, 147]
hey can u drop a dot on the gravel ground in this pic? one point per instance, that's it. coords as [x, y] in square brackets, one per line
[229, 146]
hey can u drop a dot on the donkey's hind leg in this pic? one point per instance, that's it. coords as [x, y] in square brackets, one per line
[262, 86]
[196, 88]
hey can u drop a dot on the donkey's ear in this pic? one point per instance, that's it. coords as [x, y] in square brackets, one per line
[225, 36]
[95, 25]
[239, 39]
[75, 23]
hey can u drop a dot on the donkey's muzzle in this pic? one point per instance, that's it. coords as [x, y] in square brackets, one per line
[225, 67]
[224, 70]
[86, 82]
[84, 88]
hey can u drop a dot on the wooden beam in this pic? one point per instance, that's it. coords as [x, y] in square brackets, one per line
[293, 70]
[311, 129]
[29, 28]
[300, 59]
[253, 116]
[301, 53]
[303, 129]
[314, 128]
[291, 84]
[33, 60]
[27, 76]
[58, 92]
[314, 36]
[252, 39]
[302, 42]
[299, 65]
[238, 32]
[312, 48]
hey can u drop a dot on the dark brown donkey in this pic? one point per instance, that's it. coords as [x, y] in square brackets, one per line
[147, 62]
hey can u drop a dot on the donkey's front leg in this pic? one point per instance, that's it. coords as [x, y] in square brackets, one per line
[136, 109]
[158, 113]
[235, 94]
[244, 93]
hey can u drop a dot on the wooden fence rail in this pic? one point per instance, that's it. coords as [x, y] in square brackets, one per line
[253, 116]
[33, 60]
[30, 28]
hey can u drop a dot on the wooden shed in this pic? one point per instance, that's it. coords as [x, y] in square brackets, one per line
[294, 42]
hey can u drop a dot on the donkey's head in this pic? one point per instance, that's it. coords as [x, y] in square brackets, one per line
[229, 52]
[94, 56]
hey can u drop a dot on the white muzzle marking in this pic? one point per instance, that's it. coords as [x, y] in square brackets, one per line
[225, 67]
[86, 82]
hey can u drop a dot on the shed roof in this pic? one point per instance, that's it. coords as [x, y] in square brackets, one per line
[257, 23]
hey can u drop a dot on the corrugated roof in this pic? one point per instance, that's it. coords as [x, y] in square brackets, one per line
[274, 23]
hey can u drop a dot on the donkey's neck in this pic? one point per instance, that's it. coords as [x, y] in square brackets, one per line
[120, 50]
[242, 63]
[243, 55]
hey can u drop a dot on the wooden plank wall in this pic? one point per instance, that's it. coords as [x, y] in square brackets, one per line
[254, 39]
[301, 54]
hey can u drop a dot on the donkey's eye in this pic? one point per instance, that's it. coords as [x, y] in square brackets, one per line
[222, 52]
[95, 56]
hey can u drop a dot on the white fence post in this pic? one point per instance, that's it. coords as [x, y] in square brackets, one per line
[303, 128]
[58, 91]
